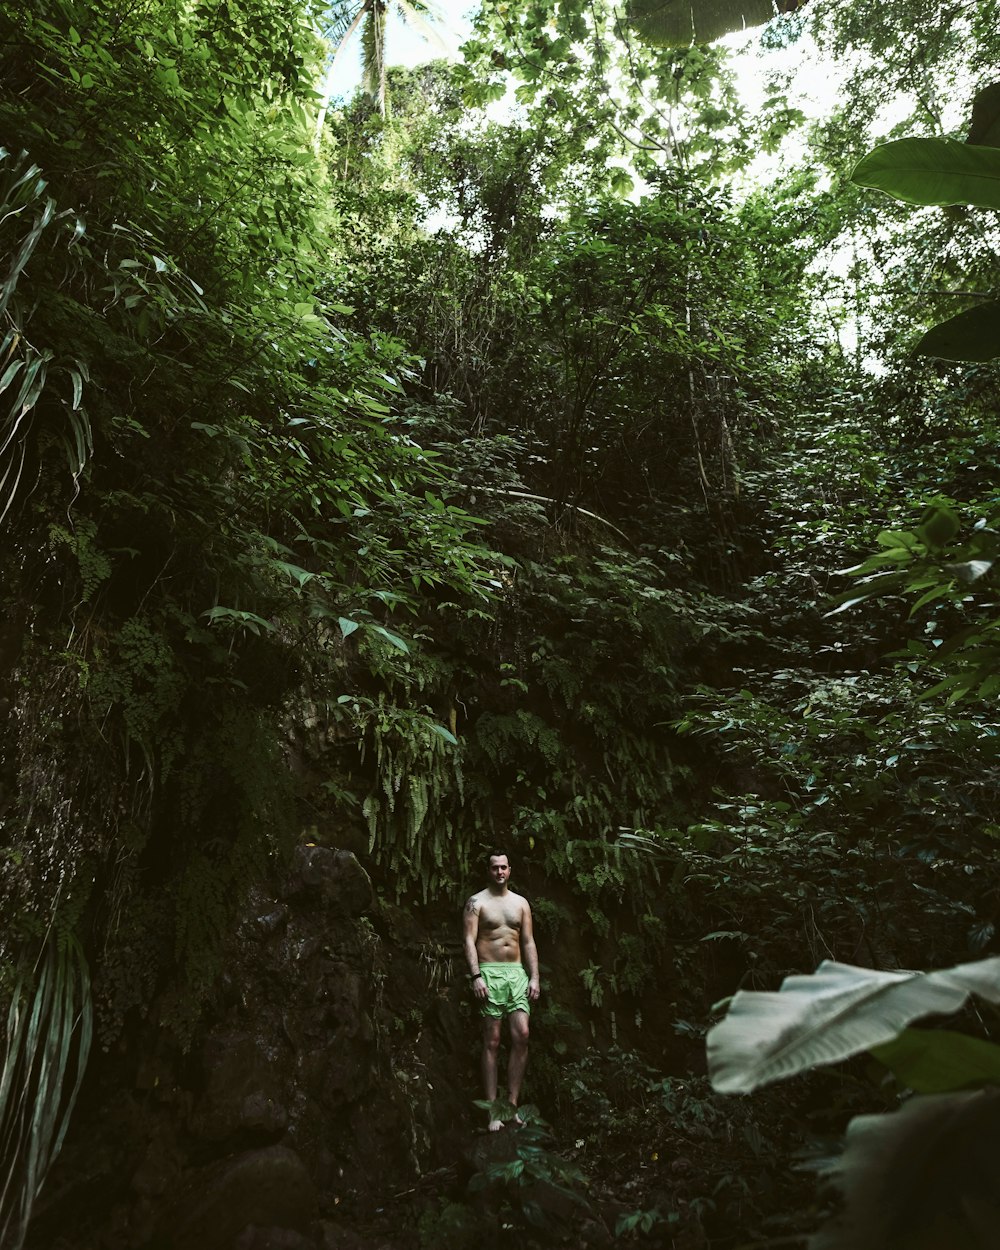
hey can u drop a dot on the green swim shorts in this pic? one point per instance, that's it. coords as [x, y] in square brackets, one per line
[508, 989]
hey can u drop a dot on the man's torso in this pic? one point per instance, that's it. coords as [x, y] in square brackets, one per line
[498, 939]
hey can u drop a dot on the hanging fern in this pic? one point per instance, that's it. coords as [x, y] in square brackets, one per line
[418, 786]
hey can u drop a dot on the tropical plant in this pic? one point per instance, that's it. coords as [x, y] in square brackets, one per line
[534, 1172]
[837, 1012]
[922, 1167]
[29, 219]
[210, 504]
[46, 1047]
[417, 488]
[944, 172]
[684, 22]
[370, 17]
[936, 563]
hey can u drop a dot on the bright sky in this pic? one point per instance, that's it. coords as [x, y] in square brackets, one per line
[405, 46]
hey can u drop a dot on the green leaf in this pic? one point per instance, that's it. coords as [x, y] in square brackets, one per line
[446, 734]
[347, 626]
[848, 604]
[665, 22]
[933, 171]
[298, 575]
[250, 620]
[49, 1031]
[934, 1061]
[985, 127]
[936, 592]
[970, 335]
[12, 370]
[939, 526]
[393, 639]
[896, 538]
[77, 380]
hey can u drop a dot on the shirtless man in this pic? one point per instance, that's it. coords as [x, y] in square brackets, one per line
[497, 937]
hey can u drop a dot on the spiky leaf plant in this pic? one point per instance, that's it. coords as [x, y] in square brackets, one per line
[46, 1046]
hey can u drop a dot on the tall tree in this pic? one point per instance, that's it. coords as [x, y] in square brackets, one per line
[370, 18]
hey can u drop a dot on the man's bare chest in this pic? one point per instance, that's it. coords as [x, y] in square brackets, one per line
[495, 914]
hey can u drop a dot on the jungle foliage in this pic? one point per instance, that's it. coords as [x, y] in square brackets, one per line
[468, 476]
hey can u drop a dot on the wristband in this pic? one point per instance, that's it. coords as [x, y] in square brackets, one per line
[474, 976]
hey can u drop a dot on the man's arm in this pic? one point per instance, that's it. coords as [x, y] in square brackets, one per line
[529, 955]
[470, 923]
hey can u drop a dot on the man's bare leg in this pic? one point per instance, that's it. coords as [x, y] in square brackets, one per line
[518, 1060]
[491, 1052]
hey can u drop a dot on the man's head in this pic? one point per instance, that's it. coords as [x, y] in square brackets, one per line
[498, 867]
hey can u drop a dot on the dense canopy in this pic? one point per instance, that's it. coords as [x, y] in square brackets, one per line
[588, 446]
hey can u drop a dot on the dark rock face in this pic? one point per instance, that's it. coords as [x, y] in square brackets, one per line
[256, 1238]
[223, 1204]
[335, 877]
[231, 1146]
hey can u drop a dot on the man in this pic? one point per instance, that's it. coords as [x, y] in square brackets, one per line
[498, 936]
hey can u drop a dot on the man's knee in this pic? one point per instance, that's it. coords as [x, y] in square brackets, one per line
[491, 1037]
[519, 1029]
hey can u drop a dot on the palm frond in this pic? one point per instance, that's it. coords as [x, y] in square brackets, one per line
[329, 74]
[341, 25]
[423, 18]
[337, 21]
[46, 1046]
[373, 53]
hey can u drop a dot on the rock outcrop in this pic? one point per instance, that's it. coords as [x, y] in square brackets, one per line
[284, 1104]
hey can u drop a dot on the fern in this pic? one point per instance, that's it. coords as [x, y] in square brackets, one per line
[410, 810]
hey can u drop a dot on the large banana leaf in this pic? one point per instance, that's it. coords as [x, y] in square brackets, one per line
[926, 1177]
[696, 21]
[985, 125]
[970, 335]
[936, 1061]
[933, 171]
[838, 1011]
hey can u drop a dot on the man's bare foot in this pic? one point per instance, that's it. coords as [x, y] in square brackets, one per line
[495, 1125]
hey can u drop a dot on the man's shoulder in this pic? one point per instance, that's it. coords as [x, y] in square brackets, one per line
[474, 901]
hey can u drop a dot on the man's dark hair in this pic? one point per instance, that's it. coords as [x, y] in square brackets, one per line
[496, 855]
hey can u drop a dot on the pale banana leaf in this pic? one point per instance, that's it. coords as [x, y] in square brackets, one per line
[837, 1012]
[926, 1177]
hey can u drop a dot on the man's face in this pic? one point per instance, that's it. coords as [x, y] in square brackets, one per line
[499, 869]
